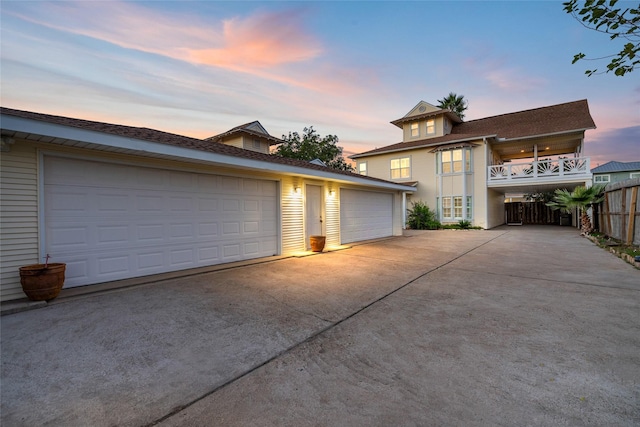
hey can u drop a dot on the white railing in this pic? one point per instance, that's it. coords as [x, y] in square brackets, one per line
[540, 169]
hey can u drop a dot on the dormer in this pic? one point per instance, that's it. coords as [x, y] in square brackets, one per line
[426, 121]
[250, 136]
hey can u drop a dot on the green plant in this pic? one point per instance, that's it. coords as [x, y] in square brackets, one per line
[420, 217]
[464, 224]
[581, 198]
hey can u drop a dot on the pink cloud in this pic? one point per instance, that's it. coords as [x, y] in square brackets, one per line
[263, 40]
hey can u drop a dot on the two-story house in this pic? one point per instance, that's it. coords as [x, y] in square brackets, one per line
[464, 169]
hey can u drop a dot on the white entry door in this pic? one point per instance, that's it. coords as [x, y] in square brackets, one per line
[365, 215]
[110, 221]
[313, 211]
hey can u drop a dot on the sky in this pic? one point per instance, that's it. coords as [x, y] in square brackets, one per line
[347, 68]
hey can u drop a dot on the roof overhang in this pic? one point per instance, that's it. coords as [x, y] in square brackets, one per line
[52, 133]
[421, 146]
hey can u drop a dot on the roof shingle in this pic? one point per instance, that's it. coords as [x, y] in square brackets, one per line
[554, 119]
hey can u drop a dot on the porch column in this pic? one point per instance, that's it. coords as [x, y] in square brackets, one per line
[404, 210]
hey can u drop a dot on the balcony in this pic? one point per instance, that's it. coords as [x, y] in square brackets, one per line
[543, 172]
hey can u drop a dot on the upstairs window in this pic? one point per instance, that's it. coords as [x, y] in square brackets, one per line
[362, 168]
[634, 175]
[401, 168]
[452, 161]
[601, 178]
[431, 127]
[415, 130]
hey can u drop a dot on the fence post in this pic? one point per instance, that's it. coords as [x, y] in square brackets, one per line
[632, 215]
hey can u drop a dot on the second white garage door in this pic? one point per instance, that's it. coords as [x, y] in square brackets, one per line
[111, 221]
[365, 215]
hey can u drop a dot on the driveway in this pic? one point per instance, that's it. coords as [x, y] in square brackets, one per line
[511, 326]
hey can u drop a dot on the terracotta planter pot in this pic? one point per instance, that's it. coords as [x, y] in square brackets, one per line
[317, 243]
[42, 282]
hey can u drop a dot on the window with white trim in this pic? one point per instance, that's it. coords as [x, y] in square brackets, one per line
[415, 130]
[362, 168]
[454, 161]
[634, 175]
[431, 127]
[446, 208]
[401, 168]
[457, 207]
[451, 207]
[601, 178]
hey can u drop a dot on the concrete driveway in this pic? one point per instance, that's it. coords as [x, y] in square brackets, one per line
[512, 326]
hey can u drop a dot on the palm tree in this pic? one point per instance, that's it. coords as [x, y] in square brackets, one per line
[581, 198]
[455, 103]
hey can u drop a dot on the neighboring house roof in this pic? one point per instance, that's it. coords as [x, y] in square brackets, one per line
[252, 128]
[555, 119]
[617, 167]
[170, 139]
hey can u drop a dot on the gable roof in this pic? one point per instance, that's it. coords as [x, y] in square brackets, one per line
[555, 119]
[425, 110]
[252, 128]
[614, 166]
[150, 142]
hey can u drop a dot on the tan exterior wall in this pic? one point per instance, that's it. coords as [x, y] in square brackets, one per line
[19, 226]
[422, 125]
[19, 216]
[235, 142]
[431, 186]
[423, 169]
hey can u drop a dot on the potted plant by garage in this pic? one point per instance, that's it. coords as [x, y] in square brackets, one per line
[42, 282]
[317, 243]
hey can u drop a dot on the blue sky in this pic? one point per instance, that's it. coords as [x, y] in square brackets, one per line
[199, 68]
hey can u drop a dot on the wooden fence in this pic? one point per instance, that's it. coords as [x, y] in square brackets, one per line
[531, 213]
[618, 215]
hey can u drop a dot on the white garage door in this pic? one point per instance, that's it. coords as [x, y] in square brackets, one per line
[365, 215]
[111, 221]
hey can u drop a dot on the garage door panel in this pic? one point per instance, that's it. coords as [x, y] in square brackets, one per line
[152, 221]
[365, 215]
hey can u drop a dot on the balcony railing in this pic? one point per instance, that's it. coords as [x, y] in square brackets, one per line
[561, 168]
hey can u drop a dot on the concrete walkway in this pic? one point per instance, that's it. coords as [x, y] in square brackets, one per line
[512, 326]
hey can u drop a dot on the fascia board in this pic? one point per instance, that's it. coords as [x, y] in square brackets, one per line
[544, 135]
[418, 147]
[52, 130]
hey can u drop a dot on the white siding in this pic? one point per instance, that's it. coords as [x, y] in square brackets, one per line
[332, 214]
[19, 218]
[292, 216]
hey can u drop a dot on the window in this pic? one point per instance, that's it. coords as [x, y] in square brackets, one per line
[601, 178]
[634, 175]
[362, 168]
[401, 168]
[457, 206]
[256, 144]
[452, 161]
[431, 127]
[446, 207]
[452, 207]
[415, 130]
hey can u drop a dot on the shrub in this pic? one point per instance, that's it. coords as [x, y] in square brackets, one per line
[464, 224]
[420, 217]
